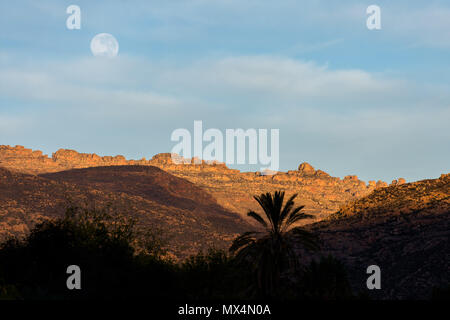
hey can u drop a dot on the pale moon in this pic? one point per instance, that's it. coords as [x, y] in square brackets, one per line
[104, 45]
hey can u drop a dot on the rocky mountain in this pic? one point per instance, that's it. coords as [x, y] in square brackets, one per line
[189, 216]
[403, 229]
[318, 191]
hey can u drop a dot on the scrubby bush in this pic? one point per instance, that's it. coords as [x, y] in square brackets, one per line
[117, 263]
[214, 275]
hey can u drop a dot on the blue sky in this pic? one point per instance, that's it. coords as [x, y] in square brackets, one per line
[346, 99]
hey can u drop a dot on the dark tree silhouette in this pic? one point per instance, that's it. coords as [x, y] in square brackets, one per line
[325, 279]
[271, 252]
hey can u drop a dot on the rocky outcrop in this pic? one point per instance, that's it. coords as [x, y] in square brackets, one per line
[398, 182]
[306, 169]
[25, 160]
[318, 191]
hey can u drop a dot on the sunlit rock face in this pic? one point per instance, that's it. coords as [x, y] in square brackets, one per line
[320, 193]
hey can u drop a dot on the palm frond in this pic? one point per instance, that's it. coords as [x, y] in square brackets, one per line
[277, 201]
[257, 217]
[287, 208]
[309, 240]
[295, 216]
[266, 204]
[243, 240]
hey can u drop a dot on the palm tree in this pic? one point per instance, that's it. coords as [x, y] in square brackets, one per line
[271, 252]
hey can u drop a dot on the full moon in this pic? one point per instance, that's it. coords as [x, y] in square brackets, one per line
[104, 45]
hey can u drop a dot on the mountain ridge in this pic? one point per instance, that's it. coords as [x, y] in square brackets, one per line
[321, 193]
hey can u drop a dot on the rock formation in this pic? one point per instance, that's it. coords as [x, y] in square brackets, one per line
[318, 191]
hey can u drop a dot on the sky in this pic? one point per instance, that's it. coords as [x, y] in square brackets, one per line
[346, 99]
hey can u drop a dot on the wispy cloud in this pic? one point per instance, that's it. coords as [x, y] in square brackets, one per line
[352, 115]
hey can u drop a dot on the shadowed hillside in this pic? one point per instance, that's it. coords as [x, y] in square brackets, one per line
[187, 214]
[404, 229]
[148, 182]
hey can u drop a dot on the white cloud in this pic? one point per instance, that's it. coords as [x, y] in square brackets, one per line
[86, 85]
[277, 82]
[126, 86]
[346, 119]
